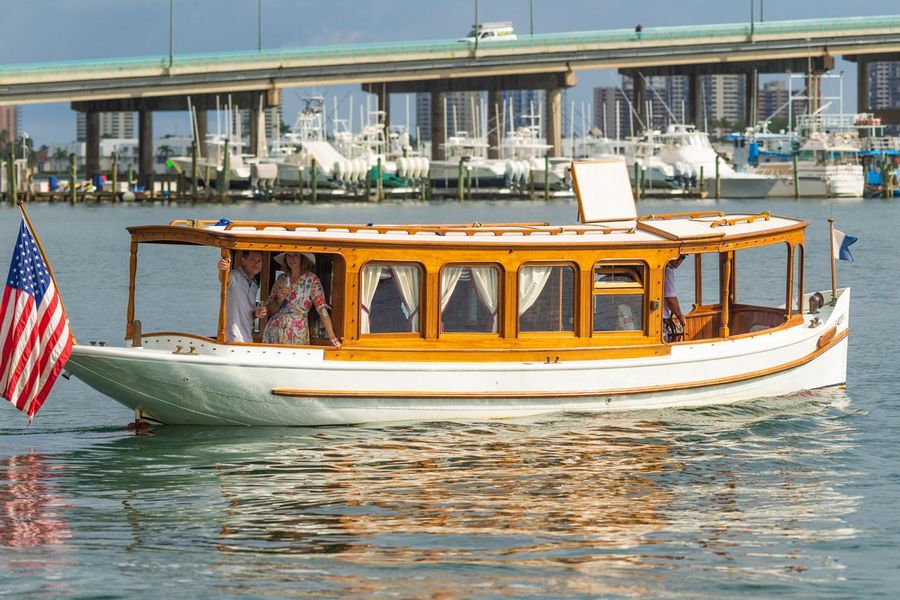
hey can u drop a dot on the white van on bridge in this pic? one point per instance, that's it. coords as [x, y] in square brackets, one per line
[491, 32]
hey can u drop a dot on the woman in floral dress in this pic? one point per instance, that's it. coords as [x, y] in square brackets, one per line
[295, 292]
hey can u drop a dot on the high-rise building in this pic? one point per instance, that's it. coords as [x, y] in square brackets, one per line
[884, 85]
[463, 113]
[273, 121]
[523, 108]
[666, 99]
[10, 121]
[119, 125]
[611, 112]
[724, 98]
[772, 101]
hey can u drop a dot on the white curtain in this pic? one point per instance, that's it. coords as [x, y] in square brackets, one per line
[370, 278]
[449, 278]
[531, 283]
[406, 280]
[487, 285]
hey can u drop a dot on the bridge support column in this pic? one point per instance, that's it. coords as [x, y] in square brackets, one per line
[202, 130]
[813, 91]
[639, 101]
[92, 144]
[254, 129]
[438, 129]
[751, 92]
[695, 94]
[384, 105]
[554, 121]
[145, 147]
[495, 126]
[862, 86]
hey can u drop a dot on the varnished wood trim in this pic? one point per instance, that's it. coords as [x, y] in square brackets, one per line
[205, 338]
[826, 337]
[288, 392]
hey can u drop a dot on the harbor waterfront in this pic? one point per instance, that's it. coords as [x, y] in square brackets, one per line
[784, 495]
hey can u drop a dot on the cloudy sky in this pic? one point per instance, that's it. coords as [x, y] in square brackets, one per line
[52, 30]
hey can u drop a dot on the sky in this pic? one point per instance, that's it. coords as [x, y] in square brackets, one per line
[52, 30]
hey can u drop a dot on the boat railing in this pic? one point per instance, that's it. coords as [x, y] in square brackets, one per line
[763, 216]
[462, 229]
[681, 215]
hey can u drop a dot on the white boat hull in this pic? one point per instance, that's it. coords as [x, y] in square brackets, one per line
[739, 185]
[257, 385]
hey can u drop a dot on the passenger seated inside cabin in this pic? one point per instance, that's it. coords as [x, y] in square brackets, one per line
[240, 300]
[294, 293]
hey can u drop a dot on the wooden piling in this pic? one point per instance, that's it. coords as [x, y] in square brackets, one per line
[115, 174]
[718, 178]
[546, 178]
[796, 176]
[637, 180]
[226, 172]
[300, 183]
[11, 180]
[379, 182]
[195, 168]
[73, 175]
[460, 181]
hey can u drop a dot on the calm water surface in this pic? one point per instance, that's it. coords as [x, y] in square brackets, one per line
[785, 496]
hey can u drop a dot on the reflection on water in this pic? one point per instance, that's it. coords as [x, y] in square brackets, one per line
[685, 501]
[33, 529]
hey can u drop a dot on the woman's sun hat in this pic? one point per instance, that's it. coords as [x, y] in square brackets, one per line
[281, 258]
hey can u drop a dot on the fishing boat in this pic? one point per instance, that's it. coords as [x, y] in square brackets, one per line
[487, 321]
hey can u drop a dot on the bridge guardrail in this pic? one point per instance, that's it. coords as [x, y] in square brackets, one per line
[648, 36]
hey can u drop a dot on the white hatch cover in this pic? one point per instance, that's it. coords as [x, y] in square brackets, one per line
[603, 190]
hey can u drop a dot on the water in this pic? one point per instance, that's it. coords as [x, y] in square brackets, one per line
[790, 495]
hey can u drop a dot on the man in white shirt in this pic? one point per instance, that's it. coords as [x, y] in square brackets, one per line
[671, 308]
[240, 298]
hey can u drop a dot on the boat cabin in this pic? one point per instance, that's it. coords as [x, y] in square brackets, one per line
[519, 291]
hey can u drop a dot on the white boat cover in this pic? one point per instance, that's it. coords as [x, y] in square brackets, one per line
[603, 190]
[325, 155]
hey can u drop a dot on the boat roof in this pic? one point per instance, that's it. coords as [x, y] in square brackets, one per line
[606, 210]
[648, 229]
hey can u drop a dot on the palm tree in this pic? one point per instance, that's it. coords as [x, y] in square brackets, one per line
[60, 157]
[164, 152]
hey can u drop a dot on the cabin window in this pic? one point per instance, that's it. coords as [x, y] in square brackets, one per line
[470, 297]
[798, 280]
[619, 297]
[546, 298]
[390, 298]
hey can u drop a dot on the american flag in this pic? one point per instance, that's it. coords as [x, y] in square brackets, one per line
[34, 331]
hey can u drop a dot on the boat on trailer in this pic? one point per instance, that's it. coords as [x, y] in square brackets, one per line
[487, 321]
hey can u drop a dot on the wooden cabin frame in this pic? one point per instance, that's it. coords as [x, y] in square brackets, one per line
[501, 245]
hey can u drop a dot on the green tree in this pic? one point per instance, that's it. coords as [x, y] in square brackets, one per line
[59, 159]
[164, 153]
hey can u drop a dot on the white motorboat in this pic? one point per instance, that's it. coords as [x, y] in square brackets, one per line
[691, 155]
[484, 321]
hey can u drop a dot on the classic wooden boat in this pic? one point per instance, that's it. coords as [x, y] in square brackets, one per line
[484, 321]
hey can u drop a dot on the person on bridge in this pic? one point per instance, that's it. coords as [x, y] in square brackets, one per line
[638, 30]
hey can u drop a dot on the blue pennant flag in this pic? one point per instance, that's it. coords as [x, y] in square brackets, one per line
[842, 243]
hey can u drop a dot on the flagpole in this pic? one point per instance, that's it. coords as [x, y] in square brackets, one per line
[37, 240]
[833, 261]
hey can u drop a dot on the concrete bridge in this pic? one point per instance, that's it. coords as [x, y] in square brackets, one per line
[545, 61]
